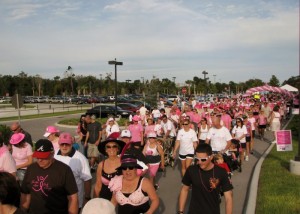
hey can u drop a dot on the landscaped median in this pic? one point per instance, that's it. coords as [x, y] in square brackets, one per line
[278, 189]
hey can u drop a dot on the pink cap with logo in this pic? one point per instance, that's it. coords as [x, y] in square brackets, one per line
[65, 137]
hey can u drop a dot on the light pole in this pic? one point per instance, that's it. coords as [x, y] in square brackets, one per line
[116, 63]
[205, 73]
[71, 75]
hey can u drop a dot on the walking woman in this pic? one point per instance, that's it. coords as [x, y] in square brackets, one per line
[132, 193]
[262, 124]
[275, 120]
[186, 142]
[155, 156]
[239, 132]
[203, 130]
[22, 154]
[107, 168]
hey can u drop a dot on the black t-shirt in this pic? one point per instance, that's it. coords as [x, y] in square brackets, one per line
[49, 188]
[93, 129]
[19, 211]
[205, 199]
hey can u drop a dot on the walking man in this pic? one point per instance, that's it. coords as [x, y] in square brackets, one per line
[207, 180]
[92, 140]
[79, 165]
[49, 185]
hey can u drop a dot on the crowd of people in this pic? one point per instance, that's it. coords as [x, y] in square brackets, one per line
[56, 176]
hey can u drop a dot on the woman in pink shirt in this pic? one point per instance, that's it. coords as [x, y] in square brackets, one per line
[262, 124]
[136, 130]
[22, 154]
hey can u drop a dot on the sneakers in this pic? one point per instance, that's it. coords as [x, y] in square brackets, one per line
[247, 158]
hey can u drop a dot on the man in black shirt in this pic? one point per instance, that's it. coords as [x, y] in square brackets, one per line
[49, 185]
[207, 180]
[16, 128]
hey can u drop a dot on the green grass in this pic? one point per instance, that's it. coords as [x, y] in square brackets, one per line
[43, 115]
[74, 121]
[278, 189]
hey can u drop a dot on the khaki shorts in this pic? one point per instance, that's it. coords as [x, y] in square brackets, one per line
[92, 151]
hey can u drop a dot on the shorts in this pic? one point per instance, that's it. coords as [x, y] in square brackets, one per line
[188, 156]
[248, 139]
[92, 151]
[262, 126]
[152, 170]
[243, 145]
[201, 141]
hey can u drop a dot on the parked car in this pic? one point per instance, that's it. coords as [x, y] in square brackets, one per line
[128, 106]
[106, 110]
[139, 103]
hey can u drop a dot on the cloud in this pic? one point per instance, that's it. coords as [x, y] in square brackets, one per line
[159, 37]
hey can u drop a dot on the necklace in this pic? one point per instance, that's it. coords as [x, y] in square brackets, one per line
[212, 181]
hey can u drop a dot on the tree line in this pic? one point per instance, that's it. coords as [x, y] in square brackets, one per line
[70, 84]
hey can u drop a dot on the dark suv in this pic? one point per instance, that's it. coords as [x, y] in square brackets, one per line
[106, 110]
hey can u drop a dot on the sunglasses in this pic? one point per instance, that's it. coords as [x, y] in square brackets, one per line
[152, 137]
[128, 167]
[203, 159]
[65, 144]
[111, 147]
[185, 124]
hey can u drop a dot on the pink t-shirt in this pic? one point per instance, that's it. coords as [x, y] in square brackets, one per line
[226, 120]
[136, 135]
[7, 163]
[149, 129]
[21, 154]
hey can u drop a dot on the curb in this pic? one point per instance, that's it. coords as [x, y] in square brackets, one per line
[250, 206]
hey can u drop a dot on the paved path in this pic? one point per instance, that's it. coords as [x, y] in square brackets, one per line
[170, 181]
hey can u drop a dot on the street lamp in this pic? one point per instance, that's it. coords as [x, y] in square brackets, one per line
[116, 63]
[205, 73]
[70, 74]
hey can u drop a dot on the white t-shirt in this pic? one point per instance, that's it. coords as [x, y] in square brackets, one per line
[203, 132]
[156, 113]
[169, 126]
[186, 139]
[111, 129]
[218, 138]
[80, 168]
[239, 131]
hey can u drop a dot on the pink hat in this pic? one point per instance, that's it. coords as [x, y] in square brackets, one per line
[135, 118]
[65, 137]
[16, 138]
[50, 130]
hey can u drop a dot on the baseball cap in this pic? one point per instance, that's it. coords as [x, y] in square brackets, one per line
[110, 119]
[43, 148]
[125, 133]
[50, 130]
[65, 137]
[16, 138]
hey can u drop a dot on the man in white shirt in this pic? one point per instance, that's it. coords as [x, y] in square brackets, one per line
[218, 136]
[79, 165]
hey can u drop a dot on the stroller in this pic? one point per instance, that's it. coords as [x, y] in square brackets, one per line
[232, 157]
[168, 149]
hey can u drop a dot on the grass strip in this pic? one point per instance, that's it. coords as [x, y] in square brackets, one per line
[278, 189]
[43, 115]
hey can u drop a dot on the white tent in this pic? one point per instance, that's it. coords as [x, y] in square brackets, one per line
[289, 88]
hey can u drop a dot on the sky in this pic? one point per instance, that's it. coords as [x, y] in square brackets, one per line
[231, 40]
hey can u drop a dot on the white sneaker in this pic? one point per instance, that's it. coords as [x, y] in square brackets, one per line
[247, 158]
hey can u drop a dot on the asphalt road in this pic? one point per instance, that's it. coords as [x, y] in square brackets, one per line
[169, 181]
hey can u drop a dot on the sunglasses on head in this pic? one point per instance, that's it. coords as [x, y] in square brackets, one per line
[128, 167]
[111, 147]
[203, 159]
[185, 124]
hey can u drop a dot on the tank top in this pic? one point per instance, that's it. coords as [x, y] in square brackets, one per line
[203, 132]
[136, 198]
[276, 118]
